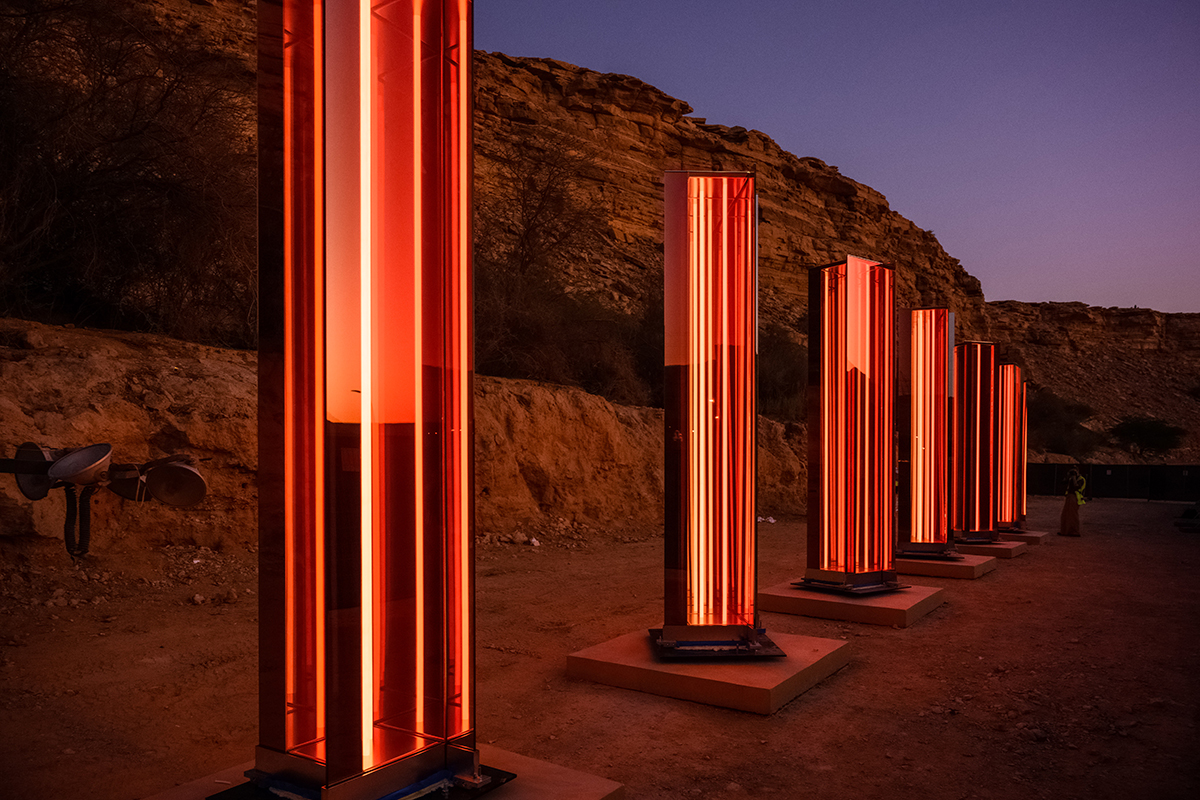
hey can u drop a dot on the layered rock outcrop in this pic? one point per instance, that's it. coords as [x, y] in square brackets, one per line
[809, 213]
[1119, 362]
[550, 460]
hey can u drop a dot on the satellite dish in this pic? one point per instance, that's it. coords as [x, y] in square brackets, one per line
[34, 487]
[176, 484]
[128, 482]
[83, 466]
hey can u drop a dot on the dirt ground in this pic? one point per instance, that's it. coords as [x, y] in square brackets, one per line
[1069, 672]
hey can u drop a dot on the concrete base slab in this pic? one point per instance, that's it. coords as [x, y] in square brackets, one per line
[541, 780]
[762, 686]
[1028, 537]
[536, 780]
[901, 608]
[208, 785]
[997, 549]
[967, 568]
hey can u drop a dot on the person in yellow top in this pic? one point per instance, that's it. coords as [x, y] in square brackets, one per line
[1068, 524]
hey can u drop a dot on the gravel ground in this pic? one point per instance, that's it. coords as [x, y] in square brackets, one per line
[1069, 672]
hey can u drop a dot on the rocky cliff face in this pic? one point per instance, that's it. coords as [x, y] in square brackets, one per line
[554, 461]
[810, 214]
[551, 461]
[1121, 362]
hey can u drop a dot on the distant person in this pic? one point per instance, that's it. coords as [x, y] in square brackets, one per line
[1068, 525]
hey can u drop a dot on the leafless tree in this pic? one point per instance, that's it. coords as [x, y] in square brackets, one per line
[126, 174]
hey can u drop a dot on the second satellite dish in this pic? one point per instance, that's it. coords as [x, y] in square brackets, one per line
[84, 466]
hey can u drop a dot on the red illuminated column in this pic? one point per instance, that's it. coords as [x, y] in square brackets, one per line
[925, 381]
[710, 317]
[1023, 450]
[365, 415]
[851, 462]
[1010, 447]
[973, 488]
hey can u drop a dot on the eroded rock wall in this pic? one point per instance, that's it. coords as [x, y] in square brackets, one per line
[1121, 362]
[810, 214]
[550, 460]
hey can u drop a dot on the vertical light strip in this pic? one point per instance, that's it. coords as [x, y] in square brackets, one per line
[289, 379]
[318, 409]
[978, 431]
[855, 416]
[418, 363]
[721, 360]
[696, 420]
[1024, 451]
[366, 428]
[719, 466]
[918, 420]
[462, 208]
[928, 437]
[702, 400]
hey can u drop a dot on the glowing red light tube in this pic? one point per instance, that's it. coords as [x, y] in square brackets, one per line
[851, 425]
[1023, 451]
[365, 411]
[973, 502]
[924, 393]
[1010, 447]
[710, 329]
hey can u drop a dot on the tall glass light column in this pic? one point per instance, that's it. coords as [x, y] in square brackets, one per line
[1011, 427]
[925, 397]
[974, 442]
[851, 439]
[711, 328]
[365, 415]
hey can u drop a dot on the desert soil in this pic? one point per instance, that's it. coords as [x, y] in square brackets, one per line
[1069, 672]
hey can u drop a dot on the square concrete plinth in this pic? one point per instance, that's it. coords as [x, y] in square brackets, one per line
[1028, 537]
[901, 608]
[967, 567]
[536, 780]
[997, 549]
[541, 780]
[759, 685]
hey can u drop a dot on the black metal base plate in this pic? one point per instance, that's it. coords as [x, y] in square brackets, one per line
[856, 590]
[979, 537]
[735, 650]
[252, 791]
[930, 555]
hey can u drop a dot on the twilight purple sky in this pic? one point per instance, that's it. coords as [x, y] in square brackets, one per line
[1052, 145]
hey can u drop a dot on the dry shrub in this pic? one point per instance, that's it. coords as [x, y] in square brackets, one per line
[126, 174]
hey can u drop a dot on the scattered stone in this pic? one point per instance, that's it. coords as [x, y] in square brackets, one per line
[198, 599]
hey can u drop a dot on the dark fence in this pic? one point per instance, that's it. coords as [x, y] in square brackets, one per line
[1136, 481]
